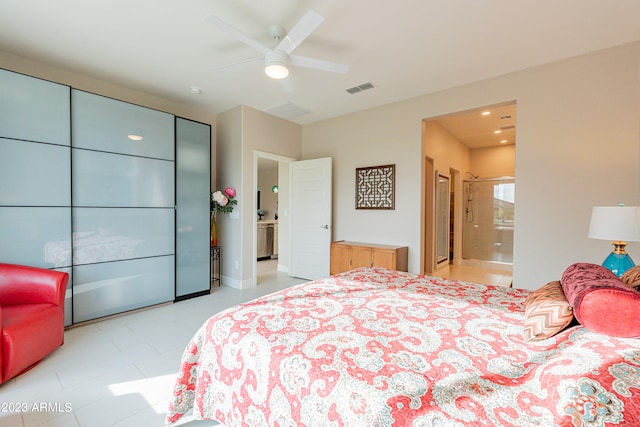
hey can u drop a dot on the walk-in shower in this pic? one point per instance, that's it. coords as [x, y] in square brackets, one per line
[488, 220]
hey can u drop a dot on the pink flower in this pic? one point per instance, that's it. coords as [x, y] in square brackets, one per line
[230, 191]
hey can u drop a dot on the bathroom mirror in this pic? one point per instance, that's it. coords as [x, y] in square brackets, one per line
[442, 219]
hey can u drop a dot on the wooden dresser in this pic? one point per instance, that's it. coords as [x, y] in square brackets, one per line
[349, 255]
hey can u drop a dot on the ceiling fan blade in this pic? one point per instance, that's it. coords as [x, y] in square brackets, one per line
[305, 26]
[220, 24]
[286, 85]
[236, 65]
[318, 64]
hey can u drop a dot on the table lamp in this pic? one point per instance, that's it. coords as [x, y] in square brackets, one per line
[618, 224]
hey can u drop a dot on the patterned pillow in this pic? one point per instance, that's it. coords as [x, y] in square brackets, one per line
[632, 277]
[546, 312]
[601, 302]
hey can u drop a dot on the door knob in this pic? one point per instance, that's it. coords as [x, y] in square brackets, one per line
[326, 227]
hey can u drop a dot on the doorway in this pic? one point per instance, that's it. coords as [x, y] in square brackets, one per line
[270, 223]
[475, 146]
[267, 221]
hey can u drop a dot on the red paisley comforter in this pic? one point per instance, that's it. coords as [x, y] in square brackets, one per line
[373, 347]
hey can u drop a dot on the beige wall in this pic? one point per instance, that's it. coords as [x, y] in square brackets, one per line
[243, 132]
[447, 153]
[494, 162]
[578, 146]
[376, 137]
[229, 173]
[101, 87]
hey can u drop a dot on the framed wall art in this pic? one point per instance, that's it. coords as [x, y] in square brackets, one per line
[375, 187]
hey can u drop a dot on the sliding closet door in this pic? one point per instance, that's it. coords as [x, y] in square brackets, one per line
[123, 197]
[35, 194]
[193, 189]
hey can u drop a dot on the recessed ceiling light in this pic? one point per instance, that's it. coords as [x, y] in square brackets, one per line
[504, 141]
[135, 137]
[195, 90]
[497, 131]
[486, 113]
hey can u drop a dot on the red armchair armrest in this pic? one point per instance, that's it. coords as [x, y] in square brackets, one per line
[20, 284]
[31, 316]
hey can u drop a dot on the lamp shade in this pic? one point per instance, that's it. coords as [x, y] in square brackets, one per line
[615, 223]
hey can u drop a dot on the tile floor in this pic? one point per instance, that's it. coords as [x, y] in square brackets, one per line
[120, 371]
[479, 275]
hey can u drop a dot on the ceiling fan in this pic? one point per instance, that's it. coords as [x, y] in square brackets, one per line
[278, 59]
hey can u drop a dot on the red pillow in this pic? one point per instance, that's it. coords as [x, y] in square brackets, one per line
[601, 302]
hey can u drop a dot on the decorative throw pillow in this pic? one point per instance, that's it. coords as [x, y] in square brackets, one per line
[546, 312]
[632, 277]
[601, 302]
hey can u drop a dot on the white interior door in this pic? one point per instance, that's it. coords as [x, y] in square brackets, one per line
[310, 218]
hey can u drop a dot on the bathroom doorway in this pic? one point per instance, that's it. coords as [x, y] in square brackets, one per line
[478, 148]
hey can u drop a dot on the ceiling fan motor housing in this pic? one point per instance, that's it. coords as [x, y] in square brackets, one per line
[276, 64]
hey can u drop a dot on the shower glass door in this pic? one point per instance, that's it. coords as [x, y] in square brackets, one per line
[487, 232]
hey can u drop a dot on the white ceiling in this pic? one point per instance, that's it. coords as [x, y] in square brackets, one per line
[405, 48]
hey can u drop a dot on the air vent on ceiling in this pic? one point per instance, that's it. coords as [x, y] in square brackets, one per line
[507, 127]
[287, 111]
[360, 88]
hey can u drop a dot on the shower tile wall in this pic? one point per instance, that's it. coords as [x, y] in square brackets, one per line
[487, 233]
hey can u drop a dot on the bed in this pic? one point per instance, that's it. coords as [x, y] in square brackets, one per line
[375, 347]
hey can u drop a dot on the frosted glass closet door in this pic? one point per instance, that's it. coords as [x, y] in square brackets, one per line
[35, 174]
[105, 124]
[33, 109]
[193, 185]
[123, 206]
[35, 199]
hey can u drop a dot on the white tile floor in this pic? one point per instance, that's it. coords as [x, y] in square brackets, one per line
[121, 371]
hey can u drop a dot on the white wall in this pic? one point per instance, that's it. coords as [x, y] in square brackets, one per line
[578, 146]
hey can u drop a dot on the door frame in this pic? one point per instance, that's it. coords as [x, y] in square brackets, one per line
[254, 223]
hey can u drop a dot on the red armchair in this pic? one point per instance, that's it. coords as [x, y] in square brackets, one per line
[31, 316]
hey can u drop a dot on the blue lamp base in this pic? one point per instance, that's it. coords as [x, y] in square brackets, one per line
[618, 263]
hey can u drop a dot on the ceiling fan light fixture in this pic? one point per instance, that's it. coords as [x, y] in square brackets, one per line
[276, 63]
[276, 71]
